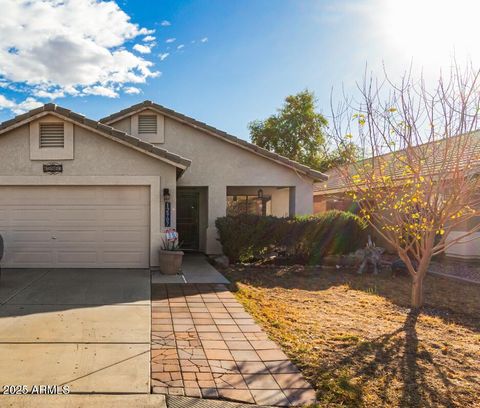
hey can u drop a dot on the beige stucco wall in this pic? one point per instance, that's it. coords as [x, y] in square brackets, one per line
[97, 161]
[281, 202]
[218, 164]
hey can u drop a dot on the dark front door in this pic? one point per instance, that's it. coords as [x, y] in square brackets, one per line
[188, 219]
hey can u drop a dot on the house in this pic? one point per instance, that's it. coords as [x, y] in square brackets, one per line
[333, 193]
[75, 192]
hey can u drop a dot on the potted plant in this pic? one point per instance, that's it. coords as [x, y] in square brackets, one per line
[170, 255]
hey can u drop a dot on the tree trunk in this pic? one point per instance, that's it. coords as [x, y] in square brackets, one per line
[417, 292]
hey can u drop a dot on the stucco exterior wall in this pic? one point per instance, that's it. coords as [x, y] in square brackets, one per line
[281, 202]
[97, 161]
[218, 164]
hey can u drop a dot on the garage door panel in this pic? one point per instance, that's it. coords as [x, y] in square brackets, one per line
[30, 257]
[3, 217]
[125, 216]
[76, 236]
[127, 196]
[30, 217]
[15, 195]
[27, 236]
[76, 216]
[79, 197]
[90, 226]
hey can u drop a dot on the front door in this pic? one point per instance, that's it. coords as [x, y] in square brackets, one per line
[188, 219]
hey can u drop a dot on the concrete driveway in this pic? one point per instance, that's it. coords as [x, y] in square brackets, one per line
[89, 329]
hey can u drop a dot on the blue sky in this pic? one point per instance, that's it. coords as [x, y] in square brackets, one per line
[231, 61]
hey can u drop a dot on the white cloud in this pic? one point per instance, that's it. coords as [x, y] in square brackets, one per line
[28, 104]
[19, 108]
[204, 40]
[165, 23]
[170, 40]
[6, 103]
[149, 38]
[143, 49]
[131, 90]
[180, 46]
[163, 55]
[72, 46]
[100, 90]
[52, 94]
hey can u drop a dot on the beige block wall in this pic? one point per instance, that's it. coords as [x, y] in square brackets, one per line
[218, 164]
[97, 161]
[469, 248]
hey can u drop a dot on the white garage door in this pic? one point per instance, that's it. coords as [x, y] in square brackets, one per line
[75, 226]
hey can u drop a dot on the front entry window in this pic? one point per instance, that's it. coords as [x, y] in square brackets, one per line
[248, 204]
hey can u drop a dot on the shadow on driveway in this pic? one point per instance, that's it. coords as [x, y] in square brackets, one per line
[86, 328]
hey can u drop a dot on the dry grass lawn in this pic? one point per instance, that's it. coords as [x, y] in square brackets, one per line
[356, 340]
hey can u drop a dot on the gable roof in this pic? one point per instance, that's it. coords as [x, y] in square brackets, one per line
[314, 174]
[51, 109]
[439, 156]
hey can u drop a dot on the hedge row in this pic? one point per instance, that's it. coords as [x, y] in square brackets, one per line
[246, 238]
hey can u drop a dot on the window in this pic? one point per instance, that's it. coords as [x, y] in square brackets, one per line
[245, 204]
[147, 124]
[52, 135]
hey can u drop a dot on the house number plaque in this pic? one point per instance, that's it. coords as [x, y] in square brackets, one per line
[53, 168]
[168, 215]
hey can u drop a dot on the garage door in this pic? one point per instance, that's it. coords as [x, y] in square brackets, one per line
[75, 226]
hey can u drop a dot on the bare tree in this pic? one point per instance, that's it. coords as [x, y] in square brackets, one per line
[418, 179]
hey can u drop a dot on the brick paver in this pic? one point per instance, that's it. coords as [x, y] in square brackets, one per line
[204, 344]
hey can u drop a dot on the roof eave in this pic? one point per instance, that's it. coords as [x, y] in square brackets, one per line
[101, 128]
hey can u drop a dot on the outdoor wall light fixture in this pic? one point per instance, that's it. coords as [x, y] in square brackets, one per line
[234, 198]
[166, 194]
[260, 193]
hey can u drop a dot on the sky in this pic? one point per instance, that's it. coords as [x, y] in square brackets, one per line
[223, 62]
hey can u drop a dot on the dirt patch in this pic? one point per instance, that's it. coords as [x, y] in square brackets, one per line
[357, 341]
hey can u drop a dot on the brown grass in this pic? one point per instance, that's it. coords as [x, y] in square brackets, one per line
[358, 343]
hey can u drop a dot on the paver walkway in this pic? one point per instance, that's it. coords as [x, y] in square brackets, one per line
[204, 344]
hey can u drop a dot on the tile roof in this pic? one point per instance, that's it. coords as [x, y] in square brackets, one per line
[158, 152]
[439, 156]
[314, 174]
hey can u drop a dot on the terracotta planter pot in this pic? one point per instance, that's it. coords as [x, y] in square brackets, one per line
[170, 262]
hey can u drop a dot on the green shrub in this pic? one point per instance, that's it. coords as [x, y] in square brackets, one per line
[304, 239]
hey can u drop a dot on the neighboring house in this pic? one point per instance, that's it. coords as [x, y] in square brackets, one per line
[75, 192]
[332, 194]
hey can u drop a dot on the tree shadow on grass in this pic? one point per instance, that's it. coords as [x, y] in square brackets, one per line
[395, 357]
[451, 301]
